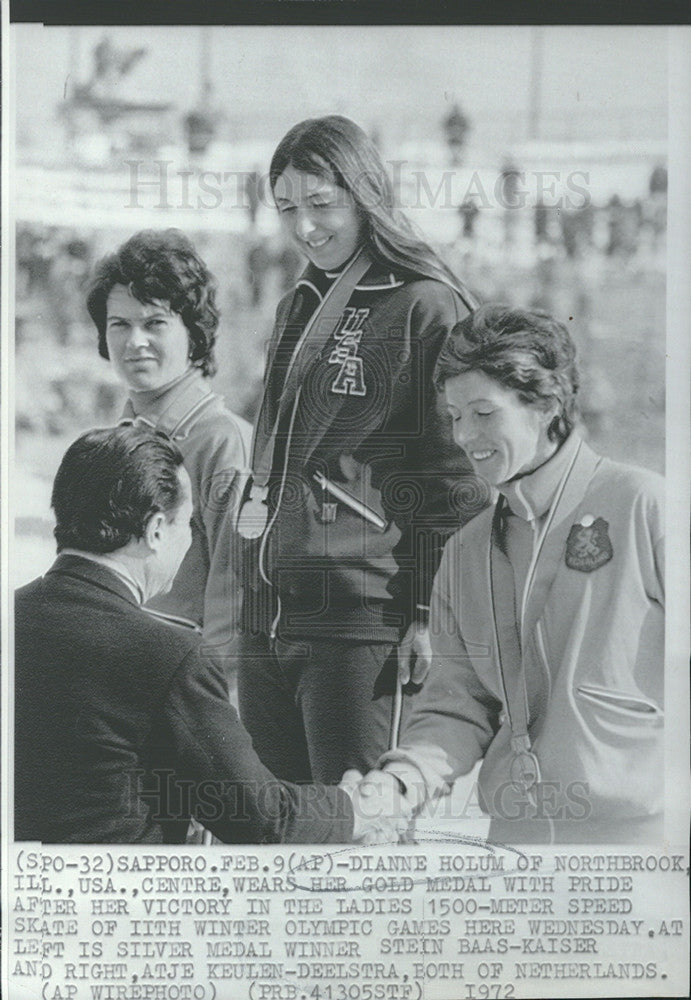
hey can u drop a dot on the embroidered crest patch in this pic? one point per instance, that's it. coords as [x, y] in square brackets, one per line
[588, 546]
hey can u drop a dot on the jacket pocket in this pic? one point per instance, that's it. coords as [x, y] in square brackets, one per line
[623, 703]
[616, 748]
[338, 493]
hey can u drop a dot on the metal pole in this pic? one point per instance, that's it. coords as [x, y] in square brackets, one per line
[396, 714]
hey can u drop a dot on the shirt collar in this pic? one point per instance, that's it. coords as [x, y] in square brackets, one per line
[379, 277]
[111, 564]
[335, 272]
[531, 496]
[165, 408]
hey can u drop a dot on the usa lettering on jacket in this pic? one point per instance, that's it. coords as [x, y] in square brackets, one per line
[350, 379]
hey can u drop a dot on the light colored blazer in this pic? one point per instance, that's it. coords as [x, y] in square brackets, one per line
[593, 652]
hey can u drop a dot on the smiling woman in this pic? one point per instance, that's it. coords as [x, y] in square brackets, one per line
[548, 646]
[355, 485]
[153, 303]
[501, 436]
[321, 217]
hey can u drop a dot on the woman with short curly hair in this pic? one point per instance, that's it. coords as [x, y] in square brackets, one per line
[547, 613]
[153, 302]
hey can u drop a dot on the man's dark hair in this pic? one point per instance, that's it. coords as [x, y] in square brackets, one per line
[161, 264]
[109, 484]
[528, 351]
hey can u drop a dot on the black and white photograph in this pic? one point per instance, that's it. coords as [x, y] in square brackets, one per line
[345, 399]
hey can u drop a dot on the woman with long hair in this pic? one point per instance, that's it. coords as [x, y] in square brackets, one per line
[355, 485]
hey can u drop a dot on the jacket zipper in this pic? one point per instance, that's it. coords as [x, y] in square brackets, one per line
[262, 547]
[274, 624]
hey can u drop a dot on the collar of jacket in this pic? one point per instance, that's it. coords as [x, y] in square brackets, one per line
[172, 410]
[549, 554]
[530, 497]
[93, 573]
[377, 279]
[111, 564]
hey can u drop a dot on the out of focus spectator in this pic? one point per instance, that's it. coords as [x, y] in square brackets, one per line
[456, 127]
[658, 181]
[36, 248]
[656, 214]
[624, 227]
[68, 277]
[576, 230]
[468, 212]
[510, 199]
[252, 195]
[200, 129]
[258, 265]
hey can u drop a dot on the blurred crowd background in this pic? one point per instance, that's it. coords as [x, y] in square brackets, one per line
[538, 170]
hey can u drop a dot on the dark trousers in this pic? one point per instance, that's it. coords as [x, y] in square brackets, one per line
[315, 708]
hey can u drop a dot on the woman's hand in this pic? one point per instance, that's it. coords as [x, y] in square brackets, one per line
[414, 654]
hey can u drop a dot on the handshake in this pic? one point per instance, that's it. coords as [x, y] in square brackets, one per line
[382, 804]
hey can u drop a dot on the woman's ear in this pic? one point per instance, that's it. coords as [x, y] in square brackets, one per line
[553, 420]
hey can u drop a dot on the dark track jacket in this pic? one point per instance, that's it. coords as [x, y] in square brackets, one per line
[367, 484]
[122, 729]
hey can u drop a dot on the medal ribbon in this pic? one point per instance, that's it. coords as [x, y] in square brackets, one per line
[525, 767]
[253, 513]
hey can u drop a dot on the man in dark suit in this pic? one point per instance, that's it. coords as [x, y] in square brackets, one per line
[122, 728]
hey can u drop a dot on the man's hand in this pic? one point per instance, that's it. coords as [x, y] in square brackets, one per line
[382, 813]
[350, 780]
[414, 654]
